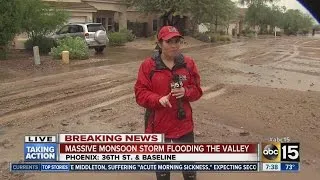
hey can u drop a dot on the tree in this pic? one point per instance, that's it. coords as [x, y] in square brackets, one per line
[10, 20]
[260, 15]
[316, 27]
[220, 13]
[251, 2]
[32, 16]
[258, 12]
[41, 18]
[231, 14]
[198, 13]
[217, 12]
[294, 22]
[168, 8]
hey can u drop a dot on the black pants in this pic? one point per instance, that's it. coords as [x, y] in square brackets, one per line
[187, 175]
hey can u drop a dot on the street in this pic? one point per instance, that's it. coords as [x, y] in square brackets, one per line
[253, 90]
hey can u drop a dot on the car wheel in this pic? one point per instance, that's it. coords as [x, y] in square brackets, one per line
[99, 49]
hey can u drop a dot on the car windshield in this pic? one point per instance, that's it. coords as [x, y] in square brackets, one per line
[95, 27]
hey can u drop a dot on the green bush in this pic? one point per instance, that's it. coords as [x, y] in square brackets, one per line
[130, 36]
[228, 38]
[202, 37]
[250, 35]
[222, 32]
[214, 38]
[217, 37]
[248, 32]
[45, 44]
[224, 38]
[196, 35]
[117, 39]
[279, 33]
[77, 47]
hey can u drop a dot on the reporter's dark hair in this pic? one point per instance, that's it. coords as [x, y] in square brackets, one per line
[158, 47]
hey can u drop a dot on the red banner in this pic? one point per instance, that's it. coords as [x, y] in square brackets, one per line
[157, 148]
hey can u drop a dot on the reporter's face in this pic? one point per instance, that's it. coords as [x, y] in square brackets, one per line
[171, 47]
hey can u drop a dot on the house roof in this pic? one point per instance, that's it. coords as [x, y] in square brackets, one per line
[72, 5]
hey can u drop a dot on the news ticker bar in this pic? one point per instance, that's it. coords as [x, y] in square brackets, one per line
[103, 167]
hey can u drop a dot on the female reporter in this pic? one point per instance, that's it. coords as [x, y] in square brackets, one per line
[167, 82]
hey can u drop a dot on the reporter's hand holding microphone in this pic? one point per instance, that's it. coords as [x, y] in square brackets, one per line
[178, 92]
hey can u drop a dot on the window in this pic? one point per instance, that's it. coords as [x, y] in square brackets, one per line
[64, 30]
[72, 29]
[95, 27]
[155, 25]
[103, 22]
[75, 29]
[110, 22]
[79, 29]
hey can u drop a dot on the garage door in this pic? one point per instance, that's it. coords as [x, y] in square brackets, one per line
[78, 19]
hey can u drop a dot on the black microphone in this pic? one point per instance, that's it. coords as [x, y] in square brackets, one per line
[177, 83]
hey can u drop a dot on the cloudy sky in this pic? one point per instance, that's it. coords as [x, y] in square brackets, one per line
[294, 4]
[291, 4]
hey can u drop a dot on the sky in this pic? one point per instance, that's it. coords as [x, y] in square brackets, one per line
[292, 4]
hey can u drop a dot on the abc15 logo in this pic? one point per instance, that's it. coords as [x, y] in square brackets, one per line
[277, 152]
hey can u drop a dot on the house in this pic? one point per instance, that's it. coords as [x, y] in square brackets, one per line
[143, 24]
[147, 24]
[235, 26]
[111, 13]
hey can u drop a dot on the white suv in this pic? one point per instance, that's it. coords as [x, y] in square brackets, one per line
[94, 34]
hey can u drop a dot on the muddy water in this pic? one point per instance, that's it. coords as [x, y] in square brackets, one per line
[271, 77]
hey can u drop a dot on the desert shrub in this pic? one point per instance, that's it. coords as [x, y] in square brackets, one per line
[77, 47]
[129, 34]
[117, 39]
[44, 43]
[224, 38]
[203, 37]
[214, 37]
[250, 35]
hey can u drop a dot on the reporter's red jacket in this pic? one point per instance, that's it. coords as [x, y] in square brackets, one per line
[153, 82]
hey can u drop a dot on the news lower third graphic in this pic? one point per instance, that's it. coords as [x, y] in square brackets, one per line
[144, 152]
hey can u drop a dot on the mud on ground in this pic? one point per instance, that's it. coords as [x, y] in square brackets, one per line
[254, 90]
